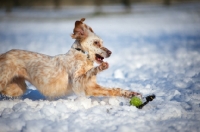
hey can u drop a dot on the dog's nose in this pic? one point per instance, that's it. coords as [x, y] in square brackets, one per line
[109, 52]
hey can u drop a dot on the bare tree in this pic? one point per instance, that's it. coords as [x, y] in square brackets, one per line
[56, 4]
[98, 4]
[167, 2]
[9, 5]
[127, 4]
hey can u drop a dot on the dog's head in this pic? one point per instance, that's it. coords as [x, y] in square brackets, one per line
[90, 42]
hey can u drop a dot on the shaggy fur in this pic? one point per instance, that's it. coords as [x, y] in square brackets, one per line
[59, 75]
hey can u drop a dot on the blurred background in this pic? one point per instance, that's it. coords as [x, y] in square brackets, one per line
[64, 10]
[11, 5]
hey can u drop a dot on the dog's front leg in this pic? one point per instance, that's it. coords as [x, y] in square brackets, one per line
[97, 90]
[84, 78]
[87, 81]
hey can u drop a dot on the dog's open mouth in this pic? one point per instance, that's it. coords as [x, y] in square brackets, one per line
[99, 58]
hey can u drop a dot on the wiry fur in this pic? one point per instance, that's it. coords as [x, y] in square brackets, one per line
[58, 75]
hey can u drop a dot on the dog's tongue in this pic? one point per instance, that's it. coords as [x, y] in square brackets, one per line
[99, 58]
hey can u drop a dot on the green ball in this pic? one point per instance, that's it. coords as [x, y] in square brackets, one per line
[135, 101]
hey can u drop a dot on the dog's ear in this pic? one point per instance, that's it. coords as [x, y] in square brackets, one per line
[79, 30]
[82, 19]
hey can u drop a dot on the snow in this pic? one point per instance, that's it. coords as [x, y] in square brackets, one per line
[155, 50]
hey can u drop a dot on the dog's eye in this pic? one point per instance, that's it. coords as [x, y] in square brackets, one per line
[95, 42]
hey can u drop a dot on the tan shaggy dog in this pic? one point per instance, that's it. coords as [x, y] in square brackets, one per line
[56, 76]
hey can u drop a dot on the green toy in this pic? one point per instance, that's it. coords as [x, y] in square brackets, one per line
[137, 102]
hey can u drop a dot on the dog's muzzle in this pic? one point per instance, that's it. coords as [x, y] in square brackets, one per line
[108, 52]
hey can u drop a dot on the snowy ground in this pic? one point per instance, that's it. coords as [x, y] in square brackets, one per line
[155, 50]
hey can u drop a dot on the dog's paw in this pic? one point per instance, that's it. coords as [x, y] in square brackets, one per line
[130, 94]
[135, 94]
[103, 66]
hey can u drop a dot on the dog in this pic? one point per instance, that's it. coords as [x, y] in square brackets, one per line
[62, 74]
